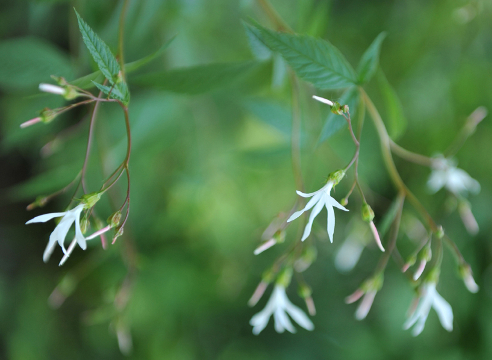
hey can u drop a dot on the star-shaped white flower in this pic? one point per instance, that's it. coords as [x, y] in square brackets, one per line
[61, 230]
[430, 298]
[319, 199]
[446, 174]
[279, 305]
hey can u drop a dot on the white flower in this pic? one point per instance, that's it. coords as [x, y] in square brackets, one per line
[279, 305]
[430, 298]
[61, 230]
[446, 174]
[319, 199]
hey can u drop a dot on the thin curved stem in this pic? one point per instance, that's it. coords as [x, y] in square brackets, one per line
[410, 156]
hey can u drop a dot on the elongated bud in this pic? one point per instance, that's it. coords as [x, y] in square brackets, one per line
[336, 177]
[84, 224]
[89, 200]
[367, 213]
[47, 115]
[66, 90]
[118, 233]
[466, 275]
[467, 217]
[305, 292]
[114, 219]
[284, 277]
[39, 202]
[412, 259]
[30, 122]
[323, 100]
[307, 257]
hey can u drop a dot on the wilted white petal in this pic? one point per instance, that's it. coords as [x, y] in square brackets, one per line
[309, 225]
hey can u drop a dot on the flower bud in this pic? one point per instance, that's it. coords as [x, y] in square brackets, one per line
[466, 275]
[119, 232]
[439, 232]
[336, 177]
[114, 219]
[367, 213]
[84, 224]
[336, 108]
[345, 109]
[411, 260]
[284, 277]
[268, 275]
[39, 202]
[47, 115]
[304, 291]
[89, 200]
[307, 257]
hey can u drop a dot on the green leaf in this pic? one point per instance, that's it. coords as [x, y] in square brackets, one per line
[118, 92]
[335, 123]
[395, 118]
[369, 62]
[314, 60]
[272, 113]
[198, 79]
[87, 81]
[25, 62]
[100, 52]
[135, 65]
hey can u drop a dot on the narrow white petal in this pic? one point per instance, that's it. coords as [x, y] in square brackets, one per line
[45, 217]
[308, 206]
[365, 305]
[280, 316]
[436, 181]
[323, 100]
[62, 230]
[419, 327]
[279, 327]
[299, 316]
[79, 236]
[330, 223]
[309, 225]
[444, 311]
[335, 203]
[49, 250]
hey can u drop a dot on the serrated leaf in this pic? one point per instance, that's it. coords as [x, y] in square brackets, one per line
[370, 60]
[26, 62]
[198, 79]
[335, 123]
[395, 117]
[86, 82]
[259, 50]
[100, 52]
[315, 60]
[118, 92]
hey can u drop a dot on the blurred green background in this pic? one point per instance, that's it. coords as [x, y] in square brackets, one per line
[211, 167]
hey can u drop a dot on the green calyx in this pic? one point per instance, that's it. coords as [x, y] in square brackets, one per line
[89, 200]
[367, 213]
[439, 232]
[114, 219]
[338, 109]
[39, 202]
[47, 115]
[283, 279]
[374, 283]
[304, 291]
[426, 253]
[268, 276]
[279, 236]
[433, 276]
[336, 177]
